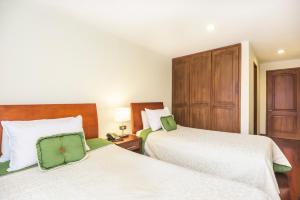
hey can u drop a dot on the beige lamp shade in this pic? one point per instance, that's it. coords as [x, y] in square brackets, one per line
[122, 114]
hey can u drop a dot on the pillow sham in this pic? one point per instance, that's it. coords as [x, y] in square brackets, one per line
[23, 135]
[145, 120]
[168, 123]
[154, 117]
[58, 150]
[5, 147]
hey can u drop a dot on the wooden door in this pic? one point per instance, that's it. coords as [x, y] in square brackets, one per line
[225, 108]
[200, 90]
[180, 90]
[283, 109]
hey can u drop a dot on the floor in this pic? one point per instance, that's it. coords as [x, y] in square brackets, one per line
[291, 149]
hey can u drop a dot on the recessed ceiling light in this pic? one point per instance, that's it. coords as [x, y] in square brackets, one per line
[280, 51]
[210, 27]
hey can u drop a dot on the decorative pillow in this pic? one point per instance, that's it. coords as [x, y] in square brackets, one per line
[281, 168]
[57, 150]
[168, 123]
[145, 120]
[23, 135]
[154, 117]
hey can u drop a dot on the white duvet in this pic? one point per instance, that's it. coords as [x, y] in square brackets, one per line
[114, 173]
[247, 159]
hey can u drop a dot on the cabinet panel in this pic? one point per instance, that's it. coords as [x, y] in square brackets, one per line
[200, 116]
[180, 90]
[181, 115]
[200, 90]
[222, 118]
[180, 80]
[226, 90]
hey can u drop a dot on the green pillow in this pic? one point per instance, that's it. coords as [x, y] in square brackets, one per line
[281, 168]
[168, 123]
[57, 150]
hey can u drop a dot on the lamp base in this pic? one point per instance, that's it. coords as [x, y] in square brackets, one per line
[122, 128]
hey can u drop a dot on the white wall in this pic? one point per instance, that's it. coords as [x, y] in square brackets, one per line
[47, 57]
[248, 57]
[245, 86]
[266, 67]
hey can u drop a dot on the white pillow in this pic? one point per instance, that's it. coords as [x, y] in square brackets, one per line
[5, 147]
[154, 117]
[23, 135]
[145, 120]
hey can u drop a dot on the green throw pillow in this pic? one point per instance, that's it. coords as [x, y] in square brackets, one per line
[57, 150]
[168, 123]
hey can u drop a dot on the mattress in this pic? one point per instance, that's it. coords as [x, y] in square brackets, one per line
[246, 159]
[113, 173]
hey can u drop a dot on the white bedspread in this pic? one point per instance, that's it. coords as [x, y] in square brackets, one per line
[114, 173]
[247, 159]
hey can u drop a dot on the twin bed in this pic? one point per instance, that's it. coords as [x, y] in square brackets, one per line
[247, 159]
[110, 172]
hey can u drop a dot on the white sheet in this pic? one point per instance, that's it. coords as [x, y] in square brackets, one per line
[247, 159]
[114, 173]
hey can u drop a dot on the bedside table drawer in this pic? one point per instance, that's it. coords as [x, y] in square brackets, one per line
[130, 145]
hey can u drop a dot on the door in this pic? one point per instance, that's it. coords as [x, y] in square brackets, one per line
[225, 108]
[180, 90]
[283, 103]
[200, 90]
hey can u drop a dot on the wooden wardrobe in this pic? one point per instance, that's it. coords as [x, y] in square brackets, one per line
[206, 89]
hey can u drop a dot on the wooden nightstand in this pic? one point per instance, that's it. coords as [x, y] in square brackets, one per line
[132, 143]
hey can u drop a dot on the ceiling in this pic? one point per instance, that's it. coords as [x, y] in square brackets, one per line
[178, 27]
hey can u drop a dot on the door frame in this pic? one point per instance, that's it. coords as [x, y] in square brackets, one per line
[255, 128]
[267, 97]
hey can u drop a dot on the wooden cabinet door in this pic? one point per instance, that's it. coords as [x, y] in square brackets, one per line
[180, 90]
[225, 108]
[200, 90]
[283, 103]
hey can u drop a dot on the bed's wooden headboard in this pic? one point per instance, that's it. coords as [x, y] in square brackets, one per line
[136, 118]
[51, 111]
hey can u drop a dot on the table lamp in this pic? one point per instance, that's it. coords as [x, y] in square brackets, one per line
[122, 115]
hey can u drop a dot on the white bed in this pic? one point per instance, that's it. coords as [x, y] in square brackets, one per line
[247, 159]
[114, 173]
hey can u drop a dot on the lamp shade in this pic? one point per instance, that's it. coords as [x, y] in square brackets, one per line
[122, 114]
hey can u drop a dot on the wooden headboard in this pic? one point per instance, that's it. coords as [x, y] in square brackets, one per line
[51, 111]
[136, 117]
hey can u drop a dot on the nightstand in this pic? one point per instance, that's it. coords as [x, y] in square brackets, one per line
[132, 143]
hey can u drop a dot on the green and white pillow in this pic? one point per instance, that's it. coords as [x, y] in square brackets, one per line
[58, 150]
[168, 123]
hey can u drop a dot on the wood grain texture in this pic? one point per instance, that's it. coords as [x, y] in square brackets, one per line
[206, 89]
[283, 103]
[52, 111]
[136, 117]
[181, 90]
[200, 90]
[225, 109]
[132, 143]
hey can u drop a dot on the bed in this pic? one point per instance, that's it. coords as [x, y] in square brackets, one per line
[246, 159]
[110, 172]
